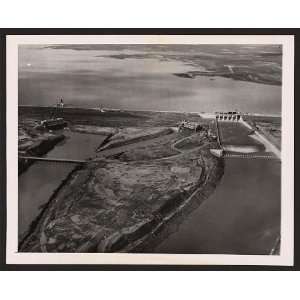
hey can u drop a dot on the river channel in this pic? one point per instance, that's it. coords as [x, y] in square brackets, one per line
[38, 183]
[242, 216]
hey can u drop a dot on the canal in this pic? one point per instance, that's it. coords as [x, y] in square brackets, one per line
[38, 183]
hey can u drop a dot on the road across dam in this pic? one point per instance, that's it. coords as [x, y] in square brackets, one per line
[252, 155]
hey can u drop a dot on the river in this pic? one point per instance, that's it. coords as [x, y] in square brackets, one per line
[242, 216]
[37, 184]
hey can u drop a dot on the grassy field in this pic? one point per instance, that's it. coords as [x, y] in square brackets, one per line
[153, 149]
[163, 147]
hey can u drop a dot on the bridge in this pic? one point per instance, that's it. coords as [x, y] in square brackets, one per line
[57, 160]
[249, 155]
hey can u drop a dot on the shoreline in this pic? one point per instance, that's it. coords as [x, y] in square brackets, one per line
[137, 237]
[178, 215]
[238, 76]
[41, 215]
[40, 148]
[210, 115]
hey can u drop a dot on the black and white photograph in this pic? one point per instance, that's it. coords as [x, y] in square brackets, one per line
[150, 149]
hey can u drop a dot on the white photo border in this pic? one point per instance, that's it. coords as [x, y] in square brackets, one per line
[286, 257]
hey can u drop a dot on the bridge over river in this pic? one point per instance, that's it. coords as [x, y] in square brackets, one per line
[54, 160]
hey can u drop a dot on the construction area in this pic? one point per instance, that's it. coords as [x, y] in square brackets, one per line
[139, 180]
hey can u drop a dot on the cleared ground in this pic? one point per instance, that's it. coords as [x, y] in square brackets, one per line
[232, 133]
[270, 127]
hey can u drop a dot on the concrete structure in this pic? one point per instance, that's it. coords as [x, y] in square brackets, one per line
[217, 152]
[271, 151]
[56, 160]
[218, 134]
[250, 155]
[60, 104]
[264, 141]
[53, 124]
[221, 153]
[231, 116]
[189, 125]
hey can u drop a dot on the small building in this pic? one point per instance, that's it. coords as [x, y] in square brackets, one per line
[53, 124]
[189, 125]
[216, 152]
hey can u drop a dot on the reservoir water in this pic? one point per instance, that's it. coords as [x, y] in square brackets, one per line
[91, 78]
[37, 184]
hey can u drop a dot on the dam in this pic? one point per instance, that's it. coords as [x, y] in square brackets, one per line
[250, 145]
[242, 216]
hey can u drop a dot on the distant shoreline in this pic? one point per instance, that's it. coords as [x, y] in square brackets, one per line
[240, 76]
[145, 110]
